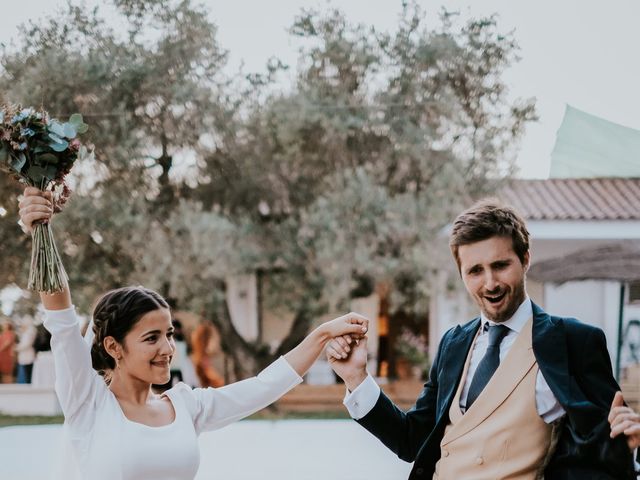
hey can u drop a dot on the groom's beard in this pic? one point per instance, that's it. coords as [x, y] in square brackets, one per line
[512, 300]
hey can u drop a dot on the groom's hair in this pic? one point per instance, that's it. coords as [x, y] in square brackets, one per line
[489, 218]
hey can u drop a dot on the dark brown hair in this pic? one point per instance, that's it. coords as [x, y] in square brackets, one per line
[489, 218]
[115, 314]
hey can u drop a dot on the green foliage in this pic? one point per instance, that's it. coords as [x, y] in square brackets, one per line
[345, 177]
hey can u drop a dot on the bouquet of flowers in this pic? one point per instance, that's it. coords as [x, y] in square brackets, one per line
[40, 152]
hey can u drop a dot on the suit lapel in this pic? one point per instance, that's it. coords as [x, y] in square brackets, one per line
[549, 347]
[453, 362]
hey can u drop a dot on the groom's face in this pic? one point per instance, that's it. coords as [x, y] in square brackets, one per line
[494, 276]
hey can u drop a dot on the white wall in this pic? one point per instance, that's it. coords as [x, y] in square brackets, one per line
[581, 230]
[450, 306]
[28, 400]
[242, 300]
[592, 302]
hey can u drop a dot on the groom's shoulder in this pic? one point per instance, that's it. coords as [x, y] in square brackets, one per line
[470, 324]
[463, 328]
[573, 329]
[572, 325]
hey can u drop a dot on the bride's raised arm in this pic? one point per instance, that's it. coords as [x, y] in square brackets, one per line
[36, 206]
[75, 377]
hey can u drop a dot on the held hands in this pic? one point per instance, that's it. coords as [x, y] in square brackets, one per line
[302, 357]
[349, 324]
[347, 351]
[624, 420]
[35, 206]
[348, 358]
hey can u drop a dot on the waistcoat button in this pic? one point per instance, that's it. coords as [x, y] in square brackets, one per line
[445, 453]
[479, 460]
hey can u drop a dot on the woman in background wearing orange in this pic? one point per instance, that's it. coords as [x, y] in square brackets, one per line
[7, 354]
[201, 339]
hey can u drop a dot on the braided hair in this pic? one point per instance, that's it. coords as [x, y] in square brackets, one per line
[114, 315]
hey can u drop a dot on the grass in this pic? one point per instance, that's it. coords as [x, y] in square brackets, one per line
[266, 414]
[12, 420]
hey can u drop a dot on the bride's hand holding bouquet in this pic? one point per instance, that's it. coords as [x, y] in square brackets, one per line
[36, 207]
[40, 151]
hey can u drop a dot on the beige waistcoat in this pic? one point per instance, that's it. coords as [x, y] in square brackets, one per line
[501, 436]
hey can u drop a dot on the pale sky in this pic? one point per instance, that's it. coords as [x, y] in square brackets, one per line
[581, 53]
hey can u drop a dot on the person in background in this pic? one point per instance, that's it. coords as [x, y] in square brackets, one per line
[26, 353]
[43, 374]
[201, 353]
[7, 353]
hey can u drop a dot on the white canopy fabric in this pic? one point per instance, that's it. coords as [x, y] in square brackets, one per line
[588, 146]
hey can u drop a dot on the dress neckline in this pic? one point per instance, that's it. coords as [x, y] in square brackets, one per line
[144, 425]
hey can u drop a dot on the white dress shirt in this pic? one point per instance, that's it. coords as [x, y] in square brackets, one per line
[364, 397]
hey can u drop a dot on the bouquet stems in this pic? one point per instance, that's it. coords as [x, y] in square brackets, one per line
[47, 273]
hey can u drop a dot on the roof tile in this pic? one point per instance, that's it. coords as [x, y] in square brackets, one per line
[575, 198]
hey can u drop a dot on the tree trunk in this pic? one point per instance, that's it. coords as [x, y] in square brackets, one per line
[251, 357]
[301, 323]
[243, 353]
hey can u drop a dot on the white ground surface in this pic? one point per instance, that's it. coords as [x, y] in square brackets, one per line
[248, 450]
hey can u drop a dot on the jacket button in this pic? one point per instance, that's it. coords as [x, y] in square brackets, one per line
[479, 460]
[419, 471]
[445, 453]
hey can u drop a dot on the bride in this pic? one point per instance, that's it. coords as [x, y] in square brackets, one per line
[117, 427]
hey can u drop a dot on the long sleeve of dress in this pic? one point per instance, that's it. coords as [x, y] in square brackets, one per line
[213, 408]
[75, 377]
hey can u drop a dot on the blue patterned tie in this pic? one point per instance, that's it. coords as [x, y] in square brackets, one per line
[489, 363]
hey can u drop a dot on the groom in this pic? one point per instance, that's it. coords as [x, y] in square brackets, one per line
[516, 393]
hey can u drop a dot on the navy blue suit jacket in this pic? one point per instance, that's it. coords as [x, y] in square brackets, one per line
[574, 361]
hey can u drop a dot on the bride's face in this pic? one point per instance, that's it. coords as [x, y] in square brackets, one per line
[149, 347]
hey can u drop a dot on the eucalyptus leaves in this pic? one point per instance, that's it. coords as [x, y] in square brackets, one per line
[40, 152]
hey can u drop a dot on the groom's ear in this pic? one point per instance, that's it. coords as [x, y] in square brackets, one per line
[527, 261]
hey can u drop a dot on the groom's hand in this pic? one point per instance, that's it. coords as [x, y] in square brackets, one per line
[348, 358]
[624, 420]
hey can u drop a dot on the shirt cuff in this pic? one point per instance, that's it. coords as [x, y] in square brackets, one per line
[282, 373]
[362, 399]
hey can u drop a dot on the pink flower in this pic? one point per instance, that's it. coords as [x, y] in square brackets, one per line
[62, 198]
